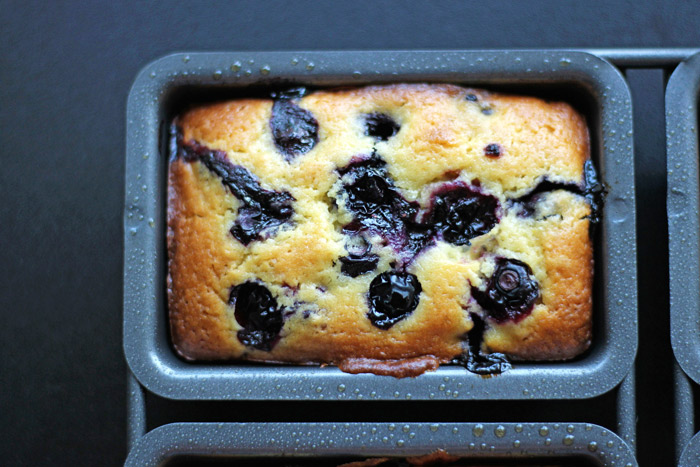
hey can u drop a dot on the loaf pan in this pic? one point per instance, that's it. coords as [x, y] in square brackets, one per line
[590, 83]
[687, 446]
[690, 457]
[329, 444]
[683, 204]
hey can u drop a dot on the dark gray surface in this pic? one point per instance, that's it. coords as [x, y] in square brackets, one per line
[65, 71]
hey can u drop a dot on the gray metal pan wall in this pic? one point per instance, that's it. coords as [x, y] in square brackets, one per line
[168, 441]
[595, 85]
[687, 445]
[578, 443]
[683, 202]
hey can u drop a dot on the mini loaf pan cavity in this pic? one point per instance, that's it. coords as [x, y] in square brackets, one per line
[591, 84]
[687, 445]
[327, 444]
[690, 457]
[683, 204]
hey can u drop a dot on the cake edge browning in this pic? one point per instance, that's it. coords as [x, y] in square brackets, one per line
[561, 330]
[199, 327]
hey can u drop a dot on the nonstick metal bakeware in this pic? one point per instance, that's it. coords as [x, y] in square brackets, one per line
[590, 83]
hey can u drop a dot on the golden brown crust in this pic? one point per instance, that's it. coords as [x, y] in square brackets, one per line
[200, 329]
[442, 136]
[560, 327]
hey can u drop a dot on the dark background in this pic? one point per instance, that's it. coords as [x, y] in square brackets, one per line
[65, 72]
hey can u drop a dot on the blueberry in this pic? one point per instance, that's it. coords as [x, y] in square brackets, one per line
[294, 130]
[260, 211]
[510, 292]
[380, 126]
[460, 213]
[256, 310]
[472, 97]
[392, 296]
[354, 266]
[374, 200]
[359, 260]
[493, 150]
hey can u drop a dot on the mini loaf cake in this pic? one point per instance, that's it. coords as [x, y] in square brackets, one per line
[384, 229]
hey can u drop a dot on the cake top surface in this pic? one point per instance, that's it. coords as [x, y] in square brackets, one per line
[382, 223]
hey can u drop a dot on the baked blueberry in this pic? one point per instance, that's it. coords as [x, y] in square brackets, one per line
[460, 213]
[393, 295]
[374, 200]
[510, 292]
[294, 130]
[380, 126]
[492, 150]
[256, 310]
[354, 266]
[359, 260]
[260, 209]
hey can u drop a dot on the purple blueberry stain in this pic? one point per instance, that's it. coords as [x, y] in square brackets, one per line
[380, 126]
[591, 188]
[393, 295]
[261, 211]
[594, 191]
[511, 292]
[457, 212]
[474, 359]
[257, 312]
[294, 129]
